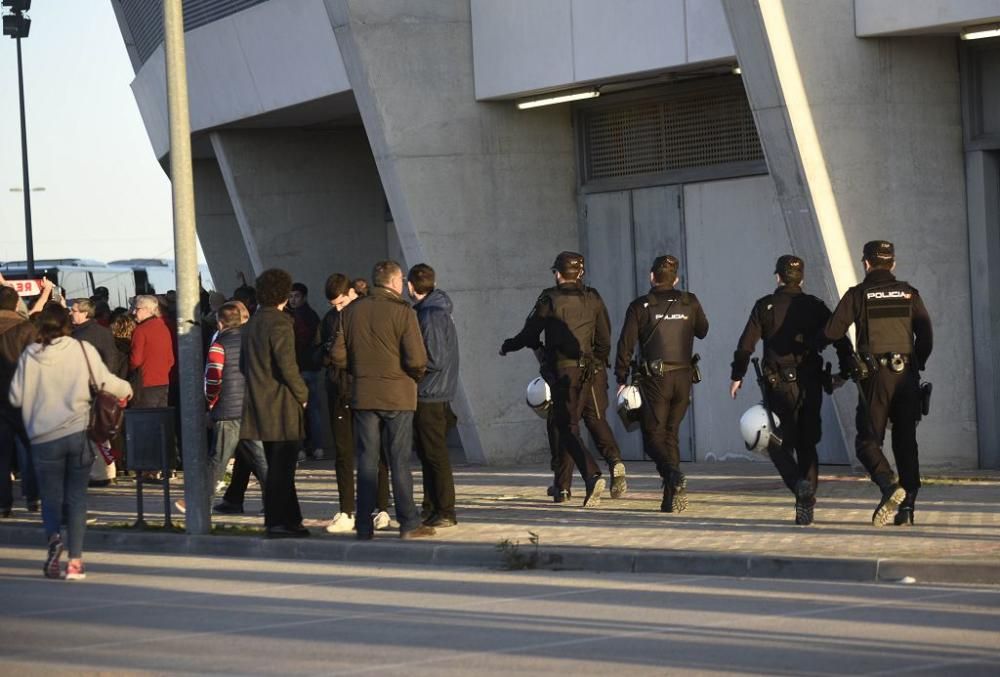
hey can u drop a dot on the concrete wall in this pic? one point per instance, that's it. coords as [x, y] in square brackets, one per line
[875, 134]
[218, 229]
[887, 17]
[306, 201]
[522, 47]
[268, 57]
[481, 191]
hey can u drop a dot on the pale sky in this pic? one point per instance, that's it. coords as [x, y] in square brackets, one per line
[105, 195]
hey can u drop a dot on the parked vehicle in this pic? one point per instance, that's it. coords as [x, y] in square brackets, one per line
[77, 278]
[157, 276]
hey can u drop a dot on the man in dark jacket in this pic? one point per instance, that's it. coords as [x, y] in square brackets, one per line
[434, 394]
[306, 323]
[340, 294]
[274, 400]
[16, 333]
[85, 328]
[379, 342]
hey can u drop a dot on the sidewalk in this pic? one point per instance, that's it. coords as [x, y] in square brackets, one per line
[740, 522]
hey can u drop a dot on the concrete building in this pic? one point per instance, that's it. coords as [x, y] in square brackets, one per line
[331, 133]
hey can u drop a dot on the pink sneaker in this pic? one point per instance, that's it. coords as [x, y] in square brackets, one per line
[75, 571]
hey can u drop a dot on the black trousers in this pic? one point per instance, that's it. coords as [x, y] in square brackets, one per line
[245, 464]
[281, 502]
[891, 397]
[341, 423]
[665, 401]
[595, 406]
[568, 400]
[798, 408]
[10, 430]
[430, 438]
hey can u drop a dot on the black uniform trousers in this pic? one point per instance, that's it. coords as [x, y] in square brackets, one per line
[665, 400]
[569, 394]
[430, 437]
[595, 406]
[798, 407]
[341, 423]
[891, 397]
[281, 502]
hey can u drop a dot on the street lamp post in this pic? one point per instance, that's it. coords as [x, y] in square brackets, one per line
[17, 25]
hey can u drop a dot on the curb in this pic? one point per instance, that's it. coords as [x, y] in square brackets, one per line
[857, 570]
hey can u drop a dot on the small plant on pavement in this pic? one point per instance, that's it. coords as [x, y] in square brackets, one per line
[512, 557]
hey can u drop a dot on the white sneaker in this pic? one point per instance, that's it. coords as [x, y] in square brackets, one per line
[381, 520]
[220, 486]
[302, 455]
[317, 454]
[342, 523]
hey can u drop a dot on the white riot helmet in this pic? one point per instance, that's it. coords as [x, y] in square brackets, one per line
[629, 403]
[539, 396]
[756, 430]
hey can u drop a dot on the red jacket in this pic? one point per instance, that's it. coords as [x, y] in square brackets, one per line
[152, 352]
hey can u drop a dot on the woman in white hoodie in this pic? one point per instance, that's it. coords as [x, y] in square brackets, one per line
[52, 388]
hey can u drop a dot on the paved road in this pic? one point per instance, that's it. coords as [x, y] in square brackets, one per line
[175, 614]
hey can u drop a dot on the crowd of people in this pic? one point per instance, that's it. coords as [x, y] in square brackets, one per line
[385, 361]
[271, 364]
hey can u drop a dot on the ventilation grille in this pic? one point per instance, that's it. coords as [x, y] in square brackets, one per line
[690, 125]
[145, 18]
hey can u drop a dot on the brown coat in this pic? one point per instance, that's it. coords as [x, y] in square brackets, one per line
[275, 391]
[16, 333]
[379, 342]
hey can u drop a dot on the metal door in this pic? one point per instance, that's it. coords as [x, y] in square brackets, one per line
[622, 232]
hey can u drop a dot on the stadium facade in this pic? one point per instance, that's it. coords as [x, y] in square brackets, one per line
[329, 134]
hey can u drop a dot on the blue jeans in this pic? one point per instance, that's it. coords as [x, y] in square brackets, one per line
[226, 440]
[63, 468]
[395, 428]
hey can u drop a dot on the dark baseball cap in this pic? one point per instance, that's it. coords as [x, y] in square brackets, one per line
[568, 262]
[789, 263]
[664, 262]
[879, 249]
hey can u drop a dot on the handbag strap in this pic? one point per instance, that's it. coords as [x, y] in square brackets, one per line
[93, 383]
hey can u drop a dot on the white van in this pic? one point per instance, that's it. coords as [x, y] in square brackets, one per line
[77, 278]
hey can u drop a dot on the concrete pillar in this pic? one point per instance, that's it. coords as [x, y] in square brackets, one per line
[218, 230]
[306, 201]
[480, 191]
[863, 140]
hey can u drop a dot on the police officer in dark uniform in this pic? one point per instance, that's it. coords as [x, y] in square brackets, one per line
[894, 340]
[575, 322]
[787, 321]
[595, 406]
[663, 323]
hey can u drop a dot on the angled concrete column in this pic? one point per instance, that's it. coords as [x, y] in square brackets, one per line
[306, 201]
[481, 191]
[863, 140]
[218, 230]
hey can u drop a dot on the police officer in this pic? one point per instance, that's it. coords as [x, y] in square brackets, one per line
[595, 405]
[894, 340]
[575, 322]
[663, 323]
[787, 320]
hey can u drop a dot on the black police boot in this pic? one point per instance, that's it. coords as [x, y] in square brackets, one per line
[805, 502]
[904, 516]
[619, 485]
[893, 496]
[595, 487]
[674, 493]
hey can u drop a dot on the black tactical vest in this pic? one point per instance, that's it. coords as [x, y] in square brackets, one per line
[570, 333]
[669, 331]
[887, 314]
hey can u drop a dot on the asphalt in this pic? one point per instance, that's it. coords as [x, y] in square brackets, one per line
[739, 523]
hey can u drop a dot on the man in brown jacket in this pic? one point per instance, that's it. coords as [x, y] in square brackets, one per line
[274, 400]
[15, 335]
[379, 342]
